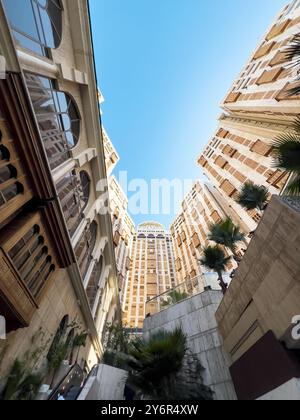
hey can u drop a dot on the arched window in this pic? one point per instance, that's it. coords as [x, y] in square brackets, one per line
[61, 331]
[69, 193]
[8, 173]
[85, 248]
[94, 283]
[58, 118]
[69, 345]
[36, 24]
[85, 188]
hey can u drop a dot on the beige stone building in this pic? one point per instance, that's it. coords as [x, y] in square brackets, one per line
[58, 274]
[123, 232]
[241, 151]
[262, 86]
[152, 271]
[256, 110]
[203, 206]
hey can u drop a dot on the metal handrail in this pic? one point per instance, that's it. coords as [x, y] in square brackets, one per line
[185, 290]
[65, 382]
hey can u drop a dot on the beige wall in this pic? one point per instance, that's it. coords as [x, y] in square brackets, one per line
[241, 151]
[265, 292]
[72, 67]
[59, 300]
[202, 206]
[262, 85]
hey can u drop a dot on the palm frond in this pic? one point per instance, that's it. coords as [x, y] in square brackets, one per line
[293, 50]
[294, 91]
[292, 53]
[253, 196]
[296, 124]
[287, 151]
[215, 259]
[226, 233]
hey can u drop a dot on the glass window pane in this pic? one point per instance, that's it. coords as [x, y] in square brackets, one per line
[21, 17]
[63, 101]
[70, 139]
[66, 122]
[28, 43]
[47, 27]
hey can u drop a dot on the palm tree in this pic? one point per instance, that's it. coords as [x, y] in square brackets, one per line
[157, 368]
[215, 259]
[287, 155]
[228, 234]
[253, 196]
[293, 55]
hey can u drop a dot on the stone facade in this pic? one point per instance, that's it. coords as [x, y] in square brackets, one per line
[196, 316]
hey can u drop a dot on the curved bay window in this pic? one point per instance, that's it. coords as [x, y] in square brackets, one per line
[36, 24]
[58, 118]
[94, 283]
[30, 256]
[85, 248]
[14, 188]
[73, 191]
[85, 188]
[9, 186]
[69, 194]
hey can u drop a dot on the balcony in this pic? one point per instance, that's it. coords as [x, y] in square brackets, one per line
[196, 240]
[202, 161]
[232, 97]
[221, 162]
[264, 50]
[269, 76]
[261, 148]
[228, 188]
[15, 190]
[26, 267]
[222, 133]
[278, 29]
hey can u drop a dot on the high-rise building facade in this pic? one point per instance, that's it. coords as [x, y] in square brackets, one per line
[263, 86]
[123, 231]
[202, 207]
[241, 151]
[152, 271]
[258, 108]
[58, 274]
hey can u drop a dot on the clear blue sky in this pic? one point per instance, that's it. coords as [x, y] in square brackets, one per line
[164, 66]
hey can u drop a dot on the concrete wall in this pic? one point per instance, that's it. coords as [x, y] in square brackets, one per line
[265, 292]
[107, 385]
[196, 316]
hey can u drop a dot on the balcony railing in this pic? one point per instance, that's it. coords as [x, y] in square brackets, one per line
[183, 291]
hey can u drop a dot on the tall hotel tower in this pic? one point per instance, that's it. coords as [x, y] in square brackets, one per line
[256, 110]
[152, 271]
